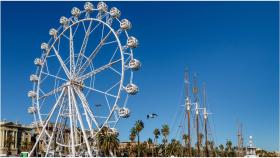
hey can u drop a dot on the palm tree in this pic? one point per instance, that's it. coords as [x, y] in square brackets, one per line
[139, 125]
[212, 150]
[132, 137]
[186, 141]
[150, 142]
[229, 150]
[165, 133]
[174, 148]
[156, 134]
[108, 141]
[221, 147]
[228, 147]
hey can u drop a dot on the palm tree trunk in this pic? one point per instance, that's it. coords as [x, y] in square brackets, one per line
[138, 149]
[165, 146]
[153, 149]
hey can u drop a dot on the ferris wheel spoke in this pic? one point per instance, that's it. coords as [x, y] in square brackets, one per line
[81, 122]
[95, 27]
[115, 71]
[96, 71]
[117, 48]
[58, 89]
[109, 107]
[56, 77]
[111, 42]
[66, 36]
[93, 54]
[84, 44]
[71, 45]
[86, 106]
[47, 121]
[76, 29]
[61, 62]
[99, 91]
[84, 26]
[113, 86]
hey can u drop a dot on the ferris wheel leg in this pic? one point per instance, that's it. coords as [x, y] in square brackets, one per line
[81, 123]
[46, 123]
[71, 122]
[54, 128]
[86, 106]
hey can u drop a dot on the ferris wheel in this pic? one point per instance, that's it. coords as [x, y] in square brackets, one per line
[83, 79]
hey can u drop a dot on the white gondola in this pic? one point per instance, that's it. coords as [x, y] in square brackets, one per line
[132, 42]
[124, 112]
[53, 32]
[63, 21]
[45, 46]
[32, 110]
[125, 24]
[34, 78]
[102, 7]
[88, 7]
[75, 12]
[115, 12]
[131, 89]
[38, 62]
[31, 94]
[134, 64]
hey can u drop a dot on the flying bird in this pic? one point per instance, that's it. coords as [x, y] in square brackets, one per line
[97, 105]
[152, 115]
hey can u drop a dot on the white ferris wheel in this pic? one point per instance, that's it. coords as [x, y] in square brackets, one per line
[83, 80]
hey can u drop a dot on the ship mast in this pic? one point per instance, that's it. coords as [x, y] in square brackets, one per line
[195, 93]
[239, 140]
[205, 114]
[188, 109]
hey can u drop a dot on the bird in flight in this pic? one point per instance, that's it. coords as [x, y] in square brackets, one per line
[152, 115]
[98, 105]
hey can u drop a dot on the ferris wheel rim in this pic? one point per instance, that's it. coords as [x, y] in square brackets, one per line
[123, 50]
[120, 84]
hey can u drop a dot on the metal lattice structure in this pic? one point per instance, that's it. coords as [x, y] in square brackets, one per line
[83, 80]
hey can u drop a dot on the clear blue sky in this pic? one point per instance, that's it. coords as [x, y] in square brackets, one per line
[233, 47]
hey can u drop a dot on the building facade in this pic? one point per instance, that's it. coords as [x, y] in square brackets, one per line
[14, 138]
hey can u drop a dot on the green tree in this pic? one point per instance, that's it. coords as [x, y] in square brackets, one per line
[212, 148]
[108, 141]
[165, 133]
[221, 147]
[186, 139]
[139, 125]
[132, 137]
[150, 142]
[174, 148]
[229, 150]
[156, 134]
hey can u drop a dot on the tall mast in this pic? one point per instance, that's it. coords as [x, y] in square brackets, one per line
[195, 91]
[188, 108]
[240, 139]
[205, 120]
